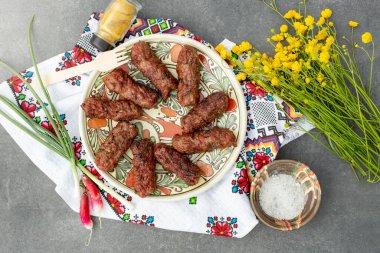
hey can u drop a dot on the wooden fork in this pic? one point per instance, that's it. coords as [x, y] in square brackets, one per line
[104, 61]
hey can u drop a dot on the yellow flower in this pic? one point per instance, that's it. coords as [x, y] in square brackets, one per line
[287, 65]
[257, 54]
[300, 28]
[312, 49]
[221, 50]
[223, 54]
[236, 50]
[290, 14]
[281, 57]
[322, 34]
[284, 28]
[266, 69]
[309, 20]
[324, 57]
[241, 76]
[331, 24]
[248, 64]
[279, 47]
[276, 63]
[353, 23]
[277, 37]
[323, 84]
[320, 77]
[307, 80]
[293, 57]
[329, 41]
[325, 48]
[297, 15]
[326, 13]
[367, 37]
[229, 54]
[245, 46]
[293, 42]
[296, 67]
[274, 81]
[321, 21]
[219, 47]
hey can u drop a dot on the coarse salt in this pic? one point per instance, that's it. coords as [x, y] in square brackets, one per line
[282, 197]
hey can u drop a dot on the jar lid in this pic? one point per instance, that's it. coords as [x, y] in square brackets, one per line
[100, 44]
[136, 4]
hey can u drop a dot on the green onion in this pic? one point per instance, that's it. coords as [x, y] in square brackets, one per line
[59, 143]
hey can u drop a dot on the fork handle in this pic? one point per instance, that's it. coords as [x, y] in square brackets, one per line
[61, 75]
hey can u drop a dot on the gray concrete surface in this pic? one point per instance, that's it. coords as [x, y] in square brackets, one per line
[34, 219]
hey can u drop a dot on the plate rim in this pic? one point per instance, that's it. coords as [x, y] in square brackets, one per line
[242, 127]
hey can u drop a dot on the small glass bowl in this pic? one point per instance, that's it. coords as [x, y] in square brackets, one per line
[304, 176]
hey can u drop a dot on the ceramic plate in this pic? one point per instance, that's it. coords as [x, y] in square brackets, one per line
[161, 123]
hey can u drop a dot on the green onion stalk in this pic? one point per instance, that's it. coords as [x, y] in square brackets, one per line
[59, 142]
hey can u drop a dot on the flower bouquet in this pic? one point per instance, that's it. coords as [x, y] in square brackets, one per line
[319, 75]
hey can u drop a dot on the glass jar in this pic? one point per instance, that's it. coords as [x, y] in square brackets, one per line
[116, 21]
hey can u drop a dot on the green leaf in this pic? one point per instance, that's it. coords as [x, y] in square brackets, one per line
[162, 50]
[122, 169]
[216, 79]
[193, 201]
[38, 119]
[240, 164]
[157, 193]
[228, 120]
[119, 174]
[21, 97]
[140, 128]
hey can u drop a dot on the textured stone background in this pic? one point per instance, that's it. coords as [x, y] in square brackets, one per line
[34, 219]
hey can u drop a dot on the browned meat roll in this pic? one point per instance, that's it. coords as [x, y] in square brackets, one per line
[188, 69]
[205, 112]
[204, 141]
[116, 144]
[120, 82]
[115, 110]
[150, 66]
[175, 162]
[144, 167]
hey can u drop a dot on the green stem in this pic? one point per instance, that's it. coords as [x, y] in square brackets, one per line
[371, 69]
[65, 136]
